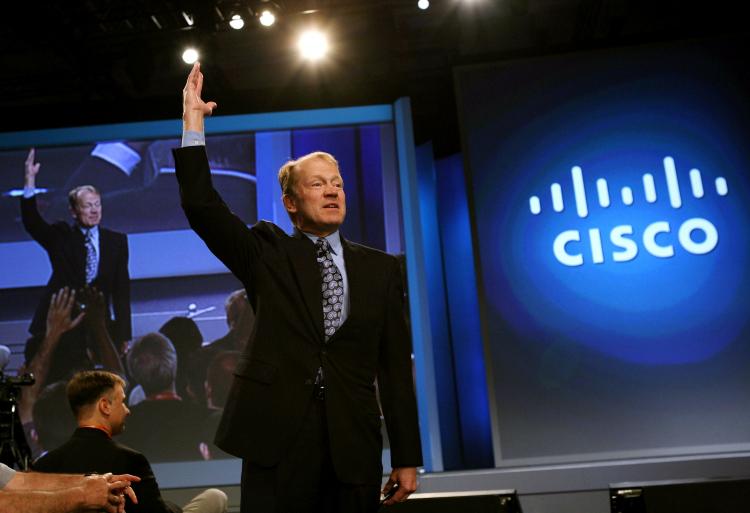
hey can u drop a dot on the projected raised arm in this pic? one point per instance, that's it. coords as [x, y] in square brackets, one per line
[194, 109]
[30, 170]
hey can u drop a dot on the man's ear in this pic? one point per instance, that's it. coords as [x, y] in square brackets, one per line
[289, 203]
[104, 406]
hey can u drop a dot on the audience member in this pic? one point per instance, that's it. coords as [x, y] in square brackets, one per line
[240, 320]
[97, 399]
[32, 492]
[187, 339]
[53, 422]
[47, 425]
[163, 426]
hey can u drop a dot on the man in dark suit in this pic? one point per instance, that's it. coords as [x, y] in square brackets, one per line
[97, 399]
[81, 254]
[302, 411]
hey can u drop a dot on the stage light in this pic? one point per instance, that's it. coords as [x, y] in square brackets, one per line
[190, 55]
[313, 45]
[236, 22]
[423, 4]
[267, 18]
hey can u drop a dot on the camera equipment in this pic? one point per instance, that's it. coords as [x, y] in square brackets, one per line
[14, 450]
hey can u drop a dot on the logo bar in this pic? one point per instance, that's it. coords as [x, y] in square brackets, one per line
[626, 193]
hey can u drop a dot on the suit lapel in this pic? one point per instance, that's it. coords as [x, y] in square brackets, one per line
[355, 274]
[78, 255]
[104, 246]
[302, 256]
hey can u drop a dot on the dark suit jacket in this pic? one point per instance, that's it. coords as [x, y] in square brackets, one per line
[273, 384]
[165, 429]
[65, 246]
[90, 450]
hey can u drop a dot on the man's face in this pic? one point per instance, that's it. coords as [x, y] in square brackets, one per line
[118, 410]
[319, 202]
[88, 209]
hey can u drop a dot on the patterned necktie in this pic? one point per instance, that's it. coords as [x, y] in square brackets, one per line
[333, 288]
[90, 258]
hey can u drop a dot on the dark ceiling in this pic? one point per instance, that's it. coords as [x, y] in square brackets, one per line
[67, 63]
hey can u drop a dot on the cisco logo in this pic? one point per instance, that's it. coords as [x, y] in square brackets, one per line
[569, 246]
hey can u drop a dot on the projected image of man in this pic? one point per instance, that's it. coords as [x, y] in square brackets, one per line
[81, 254]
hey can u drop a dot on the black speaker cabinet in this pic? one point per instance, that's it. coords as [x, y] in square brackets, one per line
[486, 501]
[730, 495]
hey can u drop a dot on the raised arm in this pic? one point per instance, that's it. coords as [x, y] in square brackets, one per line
[59, 321]
[225, 234]
[38, 228]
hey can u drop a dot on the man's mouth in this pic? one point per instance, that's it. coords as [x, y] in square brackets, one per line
[331, 205]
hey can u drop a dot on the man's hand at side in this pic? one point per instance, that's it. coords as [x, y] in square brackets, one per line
[406, 479]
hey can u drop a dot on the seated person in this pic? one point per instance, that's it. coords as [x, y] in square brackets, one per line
[97, 400]
[163, 426]
[187, 339]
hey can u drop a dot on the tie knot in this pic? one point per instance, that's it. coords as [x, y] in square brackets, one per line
[87, 234]
[322, 246]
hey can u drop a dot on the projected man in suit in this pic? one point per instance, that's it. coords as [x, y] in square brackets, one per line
[302, 411]
[82, 253]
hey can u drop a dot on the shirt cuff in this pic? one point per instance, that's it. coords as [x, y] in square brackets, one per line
[29, 192]
[193, 138]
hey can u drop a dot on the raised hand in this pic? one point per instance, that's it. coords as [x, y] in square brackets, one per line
[58, 316]
[194, 109]
[31, 169]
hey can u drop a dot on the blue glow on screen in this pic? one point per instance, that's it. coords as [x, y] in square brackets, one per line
[649, 310]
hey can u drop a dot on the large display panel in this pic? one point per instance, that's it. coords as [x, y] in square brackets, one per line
[173, 273]
[610, 195]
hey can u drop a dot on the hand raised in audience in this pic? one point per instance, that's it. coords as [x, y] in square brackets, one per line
[59, 318]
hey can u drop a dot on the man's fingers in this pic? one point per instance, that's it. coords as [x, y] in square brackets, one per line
[199, 84]
[125, 477]
[77, 320]
[388, 485]
[69, 300]
[211, 106]
[193, 73]
[130, 493]
[400, 496]
[30, 157]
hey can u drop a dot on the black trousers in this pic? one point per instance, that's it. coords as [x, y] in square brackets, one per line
[305, 480]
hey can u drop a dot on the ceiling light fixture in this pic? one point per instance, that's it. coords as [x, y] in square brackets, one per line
[190, 55]
[236, 22]
[313, 45]
[423, 4]
[267, 18]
